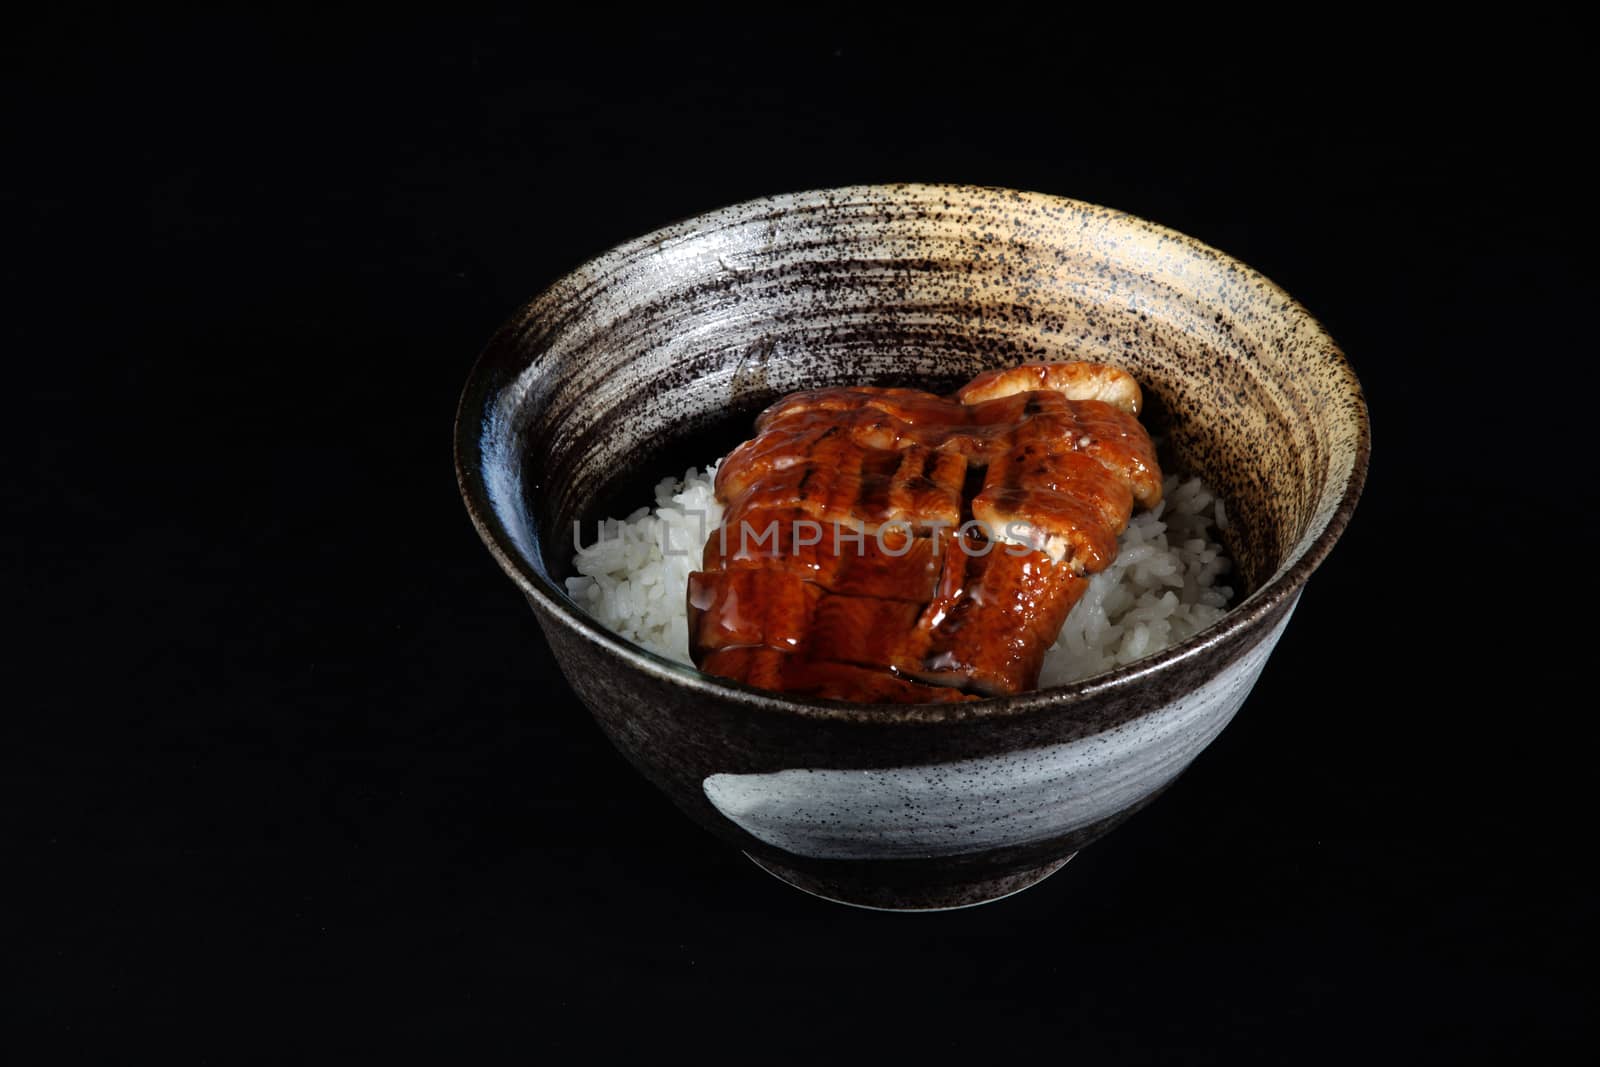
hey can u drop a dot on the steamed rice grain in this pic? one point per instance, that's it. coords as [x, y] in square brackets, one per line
[1161, 589]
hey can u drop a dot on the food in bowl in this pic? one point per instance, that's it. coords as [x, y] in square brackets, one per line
[896, 546]
[636, 360]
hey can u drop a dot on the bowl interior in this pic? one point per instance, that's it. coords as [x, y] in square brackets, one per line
[657, 355]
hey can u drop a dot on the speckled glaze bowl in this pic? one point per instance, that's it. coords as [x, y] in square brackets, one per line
[657, 344]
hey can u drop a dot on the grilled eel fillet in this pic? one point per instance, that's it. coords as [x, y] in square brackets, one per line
[843, 567]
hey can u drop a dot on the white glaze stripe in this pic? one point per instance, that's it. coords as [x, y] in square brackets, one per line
[948, 809]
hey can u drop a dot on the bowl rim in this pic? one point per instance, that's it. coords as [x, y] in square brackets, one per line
[1264, 603]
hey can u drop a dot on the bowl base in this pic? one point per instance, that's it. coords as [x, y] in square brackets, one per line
[912, 898]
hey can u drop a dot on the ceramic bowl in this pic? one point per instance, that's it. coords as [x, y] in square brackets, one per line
[665, 347]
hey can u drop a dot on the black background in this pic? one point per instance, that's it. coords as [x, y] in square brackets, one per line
[292, 763]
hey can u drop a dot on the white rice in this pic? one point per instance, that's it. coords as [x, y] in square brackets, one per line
[1161, 589]
[634, 577]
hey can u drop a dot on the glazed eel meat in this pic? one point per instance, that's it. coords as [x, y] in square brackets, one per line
[848, 564]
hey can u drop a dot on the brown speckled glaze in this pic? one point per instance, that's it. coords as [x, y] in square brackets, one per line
[921, 285]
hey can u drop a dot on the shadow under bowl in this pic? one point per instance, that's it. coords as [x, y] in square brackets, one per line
[657, 348]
